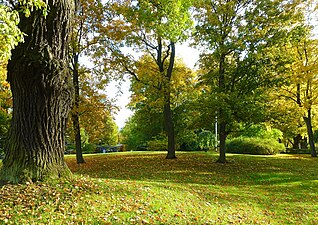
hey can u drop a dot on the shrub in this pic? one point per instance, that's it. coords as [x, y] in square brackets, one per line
[205, 139]
[1, 153]
[196, 140]
[261, 131]
[89, 148]
[69, 149]
[189, 142]
[159, 143]
[255, 146]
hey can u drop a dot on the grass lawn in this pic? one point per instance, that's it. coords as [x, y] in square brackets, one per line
[145, 188]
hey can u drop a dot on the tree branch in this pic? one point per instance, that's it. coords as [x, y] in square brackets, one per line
[148, 45]
[132, 73]
[167, 55]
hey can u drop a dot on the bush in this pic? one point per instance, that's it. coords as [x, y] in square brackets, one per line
[89, 148]
[206, 139]
[196, 140]
[70, 149]
[261, 131]
[189, 142]
[255, 146]
[159, 143]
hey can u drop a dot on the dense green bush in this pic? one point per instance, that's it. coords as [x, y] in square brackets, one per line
[159, 143]
[255, 146]
[189, 142]
[89, 148]
[260, 131]
[206, 139]
[196, 140]
[2, 142]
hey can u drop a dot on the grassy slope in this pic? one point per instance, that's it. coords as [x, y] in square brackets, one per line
[145, 188]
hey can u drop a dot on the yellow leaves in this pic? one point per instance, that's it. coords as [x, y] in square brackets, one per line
[5, 93]
[52, 203]
[95, 112]
[153, 84]
[117, 29]
[302, 73]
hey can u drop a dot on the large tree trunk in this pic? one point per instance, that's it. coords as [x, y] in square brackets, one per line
[75, 114]
[168, 117]
[310, 133]
[41, 87]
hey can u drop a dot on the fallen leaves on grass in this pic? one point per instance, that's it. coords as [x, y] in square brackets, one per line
[29, 203]
[147, 189]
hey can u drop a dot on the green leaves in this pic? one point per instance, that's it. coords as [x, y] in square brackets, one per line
[27, 6]
[10, 35]
[243, 59]
[165, 19]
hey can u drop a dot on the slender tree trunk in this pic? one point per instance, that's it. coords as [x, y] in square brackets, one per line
[75, 114]
[168, 117]
[169, 129]
[310, 133]
[77, 134]
[221, 116]
[41, 87]
[222, 133]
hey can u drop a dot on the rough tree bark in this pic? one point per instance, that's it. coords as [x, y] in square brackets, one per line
[41, 87]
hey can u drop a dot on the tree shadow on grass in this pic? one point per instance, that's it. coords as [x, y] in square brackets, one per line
[199, 168]
[270, 186]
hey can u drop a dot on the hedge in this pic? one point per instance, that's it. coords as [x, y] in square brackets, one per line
[254, 146]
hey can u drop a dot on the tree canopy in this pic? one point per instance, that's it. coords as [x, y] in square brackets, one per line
[258, 65]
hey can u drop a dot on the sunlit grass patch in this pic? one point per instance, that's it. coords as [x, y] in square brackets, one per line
[145, 188]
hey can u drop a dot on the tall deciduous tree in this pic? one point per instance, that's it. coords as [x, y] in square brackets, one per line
[153, 27]
[40, 82]
[148, 98]
[303, 81]
[286, 116]
[95, 112]
[237, 37]
[89, 16]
